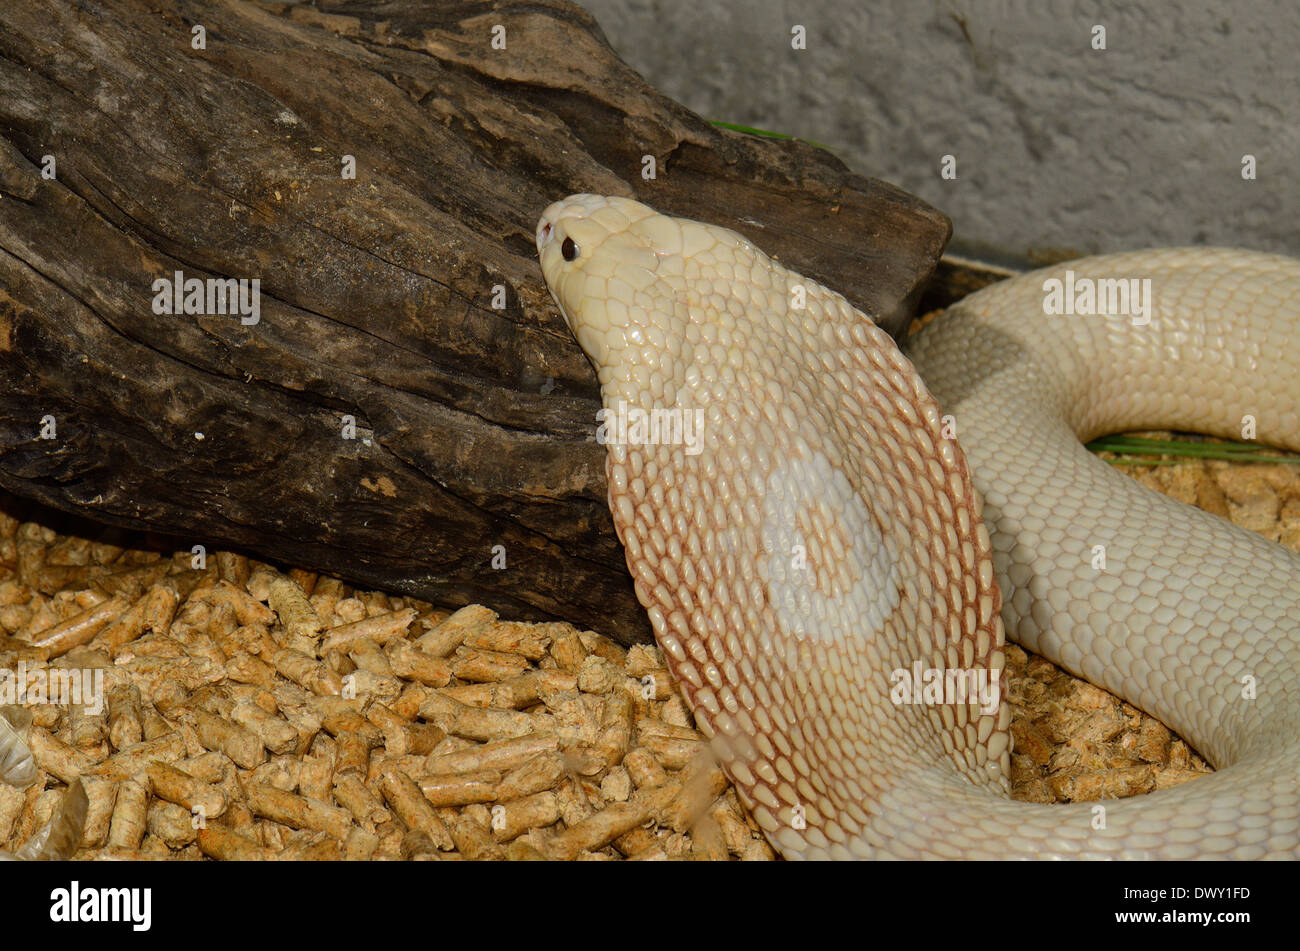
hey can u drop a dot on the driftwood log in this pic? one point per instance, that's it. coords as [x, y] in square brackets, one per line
[141, 139]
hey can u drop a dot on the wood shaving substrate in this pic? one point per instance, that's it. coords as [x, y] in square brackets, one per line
[255, 714]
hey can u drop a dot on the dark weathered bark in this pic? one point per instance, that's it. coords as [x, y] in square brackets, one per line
[954, 278]
[475, 425]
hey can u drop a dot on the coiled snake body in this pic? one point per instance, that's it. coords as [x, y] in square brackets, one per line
[822, 549]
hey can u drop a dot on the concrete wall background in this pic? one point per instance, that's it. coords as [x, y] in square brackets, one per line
[1058, 147]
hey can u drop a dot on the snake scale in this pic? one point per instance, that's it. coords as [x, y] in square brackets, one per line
[834, 536]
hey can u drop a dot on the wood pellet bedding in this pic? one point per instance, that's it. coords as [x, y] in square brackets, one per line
[255, 714]
[251, 712]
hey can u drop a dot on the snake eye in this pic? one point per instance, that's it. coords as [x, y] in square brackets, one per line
[569, 249]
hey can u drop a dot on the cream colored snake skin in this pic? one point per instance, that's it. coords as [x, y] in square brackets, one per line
[817, 547]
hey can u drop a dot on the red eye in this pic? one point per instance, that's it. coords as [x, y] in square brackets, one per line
[569, 250]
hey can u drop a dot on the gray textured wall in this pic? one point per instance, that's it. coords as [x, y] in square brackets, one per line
[1058, 147]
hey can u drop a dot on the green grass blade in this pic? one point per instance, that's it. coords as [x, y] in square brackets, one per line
[767, 134]
[1148, 447]
[1134, 443]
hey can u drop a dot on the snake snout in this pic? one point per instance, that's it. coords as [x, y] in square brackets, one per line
[544, 229]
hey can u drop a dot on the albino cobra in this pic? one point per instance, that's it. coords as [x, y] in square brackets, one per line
[825, 534]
